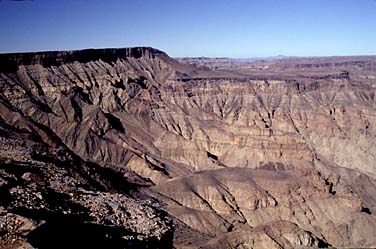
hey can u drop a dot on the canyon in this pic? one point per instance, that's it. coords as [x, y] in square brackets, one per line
[130, 148]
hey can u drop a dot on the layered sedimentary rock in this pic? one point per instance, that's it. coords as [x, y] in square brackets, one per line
[276, 155]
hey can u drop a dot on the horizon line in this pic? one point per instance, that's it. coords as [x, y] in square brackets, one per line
[190, 56]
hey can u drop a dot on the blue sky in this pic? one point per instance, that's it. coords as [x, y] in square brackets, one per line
[233, 28]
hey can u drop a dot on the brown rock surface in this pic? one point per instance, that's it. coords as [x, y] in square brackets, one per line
[268, 154]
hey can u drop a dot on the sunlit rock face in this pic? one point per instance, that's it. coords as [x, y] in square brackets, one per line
[142, 149]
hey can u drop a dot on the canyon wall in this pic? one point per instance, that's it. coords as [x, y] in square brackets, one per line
[273, 156]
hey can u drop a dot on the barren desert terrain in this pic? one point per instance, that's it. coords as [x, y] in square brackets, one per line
[130, 148]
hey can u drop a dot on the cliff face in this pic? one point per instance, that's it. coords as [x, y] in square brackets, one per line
[281, 156]
[10, 62]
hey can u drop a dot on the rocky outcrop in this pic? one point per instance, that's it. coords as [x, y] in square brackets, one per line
[272, 155]
[52, 198]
